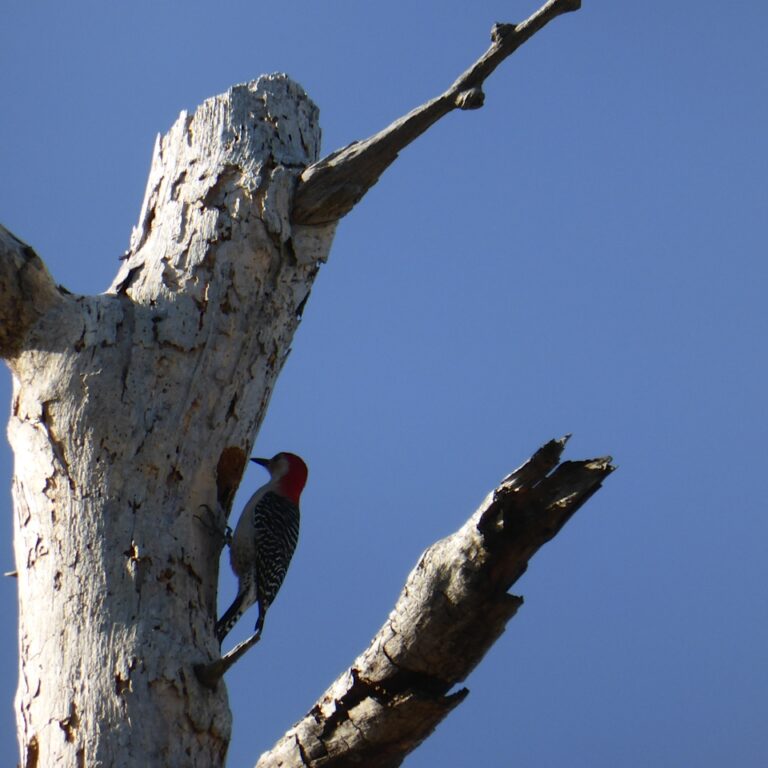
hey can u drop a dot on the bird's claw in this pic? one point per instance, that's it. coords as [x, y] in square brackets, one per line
[213, 529]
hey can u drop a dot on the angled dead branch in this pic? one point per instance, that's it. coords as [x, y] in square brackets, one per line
[454, 606]
[331, 187]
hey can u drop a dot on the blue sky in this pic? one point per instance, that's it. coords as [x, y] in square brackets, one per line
[585, 254]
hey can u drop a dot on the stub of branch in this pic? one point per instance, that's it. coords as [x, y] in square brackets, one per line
[210, 674]
[454, 606]
[331, 187]
[27, 291]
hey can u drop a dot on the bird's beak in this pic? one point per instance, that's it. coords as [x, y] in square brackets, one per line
[263, 462]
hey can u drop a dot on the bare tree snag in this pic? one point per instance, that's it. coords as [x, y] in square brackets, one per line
[330, 188]
[454, 606]
[134, 412]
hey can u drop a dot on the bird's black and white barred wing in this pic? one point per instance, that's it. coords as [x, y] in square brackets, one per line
[276, 530]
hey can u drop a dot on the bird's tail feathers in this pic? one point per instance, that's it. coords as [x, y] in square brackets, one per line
[231, 615]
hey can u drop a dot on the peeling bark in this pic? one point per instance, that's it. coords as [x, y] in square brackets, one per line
[454, 606]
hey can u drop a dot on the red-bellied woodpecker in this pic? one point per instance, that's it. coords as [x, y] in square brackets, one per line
[264, 539]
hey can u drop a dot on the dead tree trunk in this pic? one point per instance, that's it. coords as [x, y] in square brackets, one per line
[133, 415]
[134, 412]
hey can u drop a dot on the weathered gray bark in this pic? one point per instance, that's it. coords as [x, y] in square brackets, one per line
[454, 606]
[133, 414]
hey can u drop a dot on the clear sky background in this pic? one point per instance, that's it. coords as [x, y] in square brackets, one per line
[585, 254]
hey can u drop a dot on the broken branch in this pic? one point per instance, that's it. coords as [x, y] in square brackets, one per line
[331, 187]
[454, 606]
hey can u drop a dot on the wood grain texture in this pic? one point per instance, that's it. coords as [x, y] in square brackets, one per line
[453, 608]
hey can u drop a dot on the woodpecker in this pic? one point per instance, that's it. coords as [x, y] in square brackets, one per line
[264, 539]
